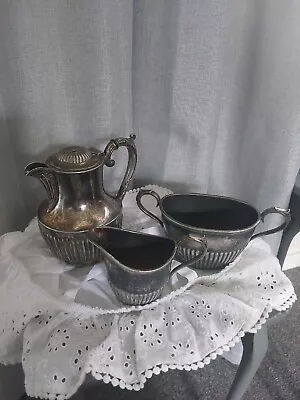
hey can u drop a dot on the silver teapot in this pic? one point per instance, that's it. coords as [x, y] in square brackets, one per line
[77, 201]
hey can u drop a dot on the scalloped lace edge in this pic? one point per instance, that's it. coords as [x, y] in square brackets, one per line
[94, 311]
[106, 378]
[157, 369]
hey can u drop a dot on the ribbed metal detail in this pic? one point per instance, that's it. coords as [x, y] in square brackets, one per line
[74, 155]
[211, 260]
[135, 299]
[73, 248]
[76, 252]
[75, 159]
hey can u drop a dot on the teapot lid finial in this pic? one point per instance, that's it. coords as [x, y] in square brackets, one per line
[75, 159]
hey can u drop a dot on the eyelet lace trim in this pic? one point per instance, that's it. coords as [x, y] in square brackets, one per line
[106, 378]
[156, 370]
[263, 281]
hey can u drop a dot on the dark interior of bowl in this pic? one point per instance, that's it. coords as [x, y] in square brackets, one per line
[135, 250]
[210, 212]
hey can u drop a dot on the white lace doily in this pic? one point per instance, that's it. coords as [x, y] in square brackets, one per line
[59, 340]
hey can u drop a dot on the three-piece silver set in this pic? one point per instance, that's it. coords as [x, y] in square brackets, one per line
[82, 223]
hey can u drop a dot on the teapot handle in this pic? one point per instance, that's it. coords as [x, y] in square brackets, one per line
[113, 145]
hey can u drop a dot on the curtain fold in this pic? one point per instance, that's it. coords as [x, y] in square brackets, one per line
[65, 79]
[211, 88]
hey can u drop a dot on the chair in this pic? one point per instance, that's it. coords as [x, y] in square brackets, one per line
[294, 226]
[255, 345]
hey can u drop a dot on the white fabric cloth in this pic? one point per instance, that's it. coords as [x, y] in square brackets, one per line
[59, 341]
[210, 87]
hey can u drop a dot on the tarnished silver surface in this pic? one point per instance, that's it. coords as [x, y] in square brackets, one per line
[134, 299]
[77, 200]
[138, 265]
[211, 260]
[74, 247]
[225, 223]
[75, 159]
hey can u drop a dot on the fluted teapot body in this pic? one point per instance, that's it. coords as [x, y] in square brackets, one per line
[77, 200]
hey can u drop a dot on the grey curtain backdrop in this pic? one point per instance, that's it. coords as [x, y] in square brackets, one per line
[210, 87]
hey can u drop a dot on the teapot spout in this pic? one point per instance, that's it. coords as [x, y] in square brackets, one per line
[48, 180]
[34, 169]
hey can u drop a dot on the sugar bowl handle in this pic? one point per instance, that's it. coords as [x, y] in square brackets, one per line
[274, 210]
[115, 144]
[148, 192]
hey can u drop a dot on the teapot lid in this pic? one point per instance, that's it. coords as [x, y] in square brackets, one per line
[75, 159]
